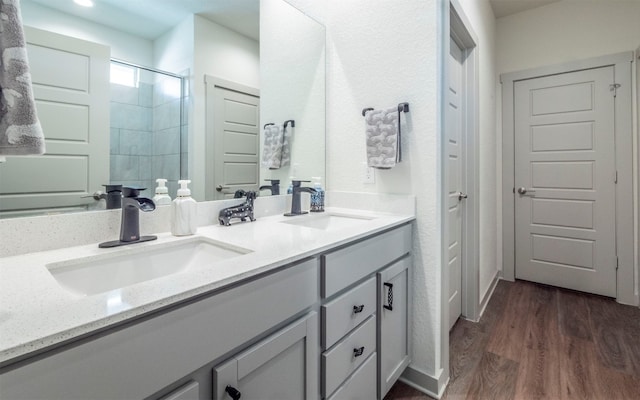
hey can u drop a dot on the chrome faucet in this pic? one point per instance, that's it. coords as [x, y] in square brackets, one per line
[295, 198]
[130, 223]
[274, 187]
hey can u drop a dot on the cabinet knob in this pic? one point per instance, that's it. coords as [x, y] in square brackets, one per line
[233, 392]
[358, 352]
[358, 309]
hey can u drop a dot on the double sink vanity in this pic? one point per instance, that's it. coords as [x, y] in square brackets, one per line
[310, 307]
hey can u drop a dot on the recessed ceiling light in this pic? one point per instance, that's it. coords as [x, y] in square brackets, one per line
[84, 3]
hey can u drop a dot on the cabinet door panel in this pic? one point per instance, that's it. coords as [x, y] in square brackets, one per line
[393, 339]
[282, 366]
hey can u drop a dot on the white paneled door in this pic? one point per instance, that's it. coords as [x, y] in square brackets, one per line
[565, 181]
[454, 186]
[71, 89]
[233, 124]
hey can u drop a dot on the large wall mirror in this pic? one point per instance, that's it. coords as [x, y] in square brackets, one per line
[131, 91]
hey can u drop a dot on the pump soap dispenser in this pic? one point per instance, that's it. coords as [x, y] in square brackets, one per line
[162, 193]
[184, 211]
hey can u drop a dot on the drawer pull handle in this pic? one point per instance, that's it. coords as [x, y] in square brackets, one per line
[389, 305]
[358, 309]
[233, 392]
[358, 352]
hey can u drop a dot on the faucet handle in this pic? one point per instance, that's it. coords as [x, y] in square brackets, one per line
[131, 191]
[112, 188]
[297, 182]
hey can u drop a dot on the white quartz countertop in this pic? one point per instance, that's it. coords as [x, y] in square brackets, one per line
[36, 313]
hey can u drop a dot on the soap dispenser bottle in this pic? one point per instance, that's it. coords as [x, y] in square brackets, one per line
[162, 197]
[184, 210]
[317, 198]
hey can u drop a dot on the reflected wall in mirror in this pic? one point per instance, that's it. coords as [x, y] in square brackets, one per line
[183, 38]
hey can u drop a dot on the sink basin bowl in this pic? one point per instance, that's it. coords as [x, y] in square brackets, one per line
[327, 222]
[92, 275]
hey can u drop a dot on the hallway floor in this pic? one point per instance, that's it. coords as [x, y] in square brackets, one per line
[536, 341]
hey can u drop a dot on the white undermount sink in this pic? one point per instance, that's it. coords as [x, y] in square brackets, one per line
[92, 275]
[327, 221]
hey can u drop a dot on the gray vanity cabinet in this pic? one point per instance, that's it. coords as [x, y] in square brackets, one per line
[393, 319]
[332, 326]
[282, 366]
[365, 344]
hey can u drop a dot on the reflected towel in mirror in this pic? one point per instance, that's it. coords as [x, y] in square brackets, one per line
[20, 130]
[276, 152]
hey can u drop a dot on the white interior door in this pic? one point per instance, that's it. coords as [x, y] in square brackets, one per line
[233, 119]
[71, 88]
[565, 181]
[454, 154]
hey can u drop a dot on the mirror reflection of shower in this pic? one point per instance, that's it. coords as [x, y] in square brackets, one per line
[148, 130]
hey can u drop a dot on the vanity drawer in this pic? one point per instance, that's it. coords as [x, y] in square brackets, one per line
[341, 315]
[361, 385]
[346, 266]
[348, 355]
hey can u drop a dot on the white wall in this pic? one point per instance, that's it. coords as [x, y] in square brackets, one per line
[483, 23]
[225, 54]
[378, 56]
[561, 32]
[123, 46]
[565, 31]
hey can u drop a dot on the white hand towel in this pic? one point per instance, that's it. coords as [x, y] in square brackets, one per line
[20, 131]
[383, 139]
[272, 151]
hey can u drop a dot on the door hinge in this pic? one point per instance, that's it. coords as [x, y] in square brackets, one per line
[513, 190]
[617, 262]
[614, 88]
[615, 179]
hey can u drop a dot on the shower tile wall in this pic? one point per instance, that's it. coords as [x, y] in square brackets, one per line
[146, 134]
[131, 135]
[166, 127]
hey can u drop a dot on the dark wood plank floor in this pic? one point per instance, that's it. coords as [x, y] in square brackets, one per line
[541, 342]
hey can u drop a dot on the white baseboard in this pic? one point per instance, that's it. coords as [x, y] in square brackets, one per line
[488, 294]
[427, 384]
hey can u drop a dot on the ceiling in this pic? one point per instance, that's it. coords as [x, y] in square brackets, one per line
[152, 18]
[502, 8]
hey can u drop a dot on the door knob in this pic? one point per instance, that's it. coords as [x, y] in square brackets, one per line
[462, 196]
[524, 191]
[220, 187]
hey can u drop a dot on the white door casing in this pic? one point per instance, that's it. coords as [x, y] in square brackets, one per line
[454, 186]
[233, 140]
[565, 169]
[71, 88]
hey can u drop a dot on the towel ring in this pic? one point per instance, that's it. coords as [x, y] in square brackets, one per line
[265, 125]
